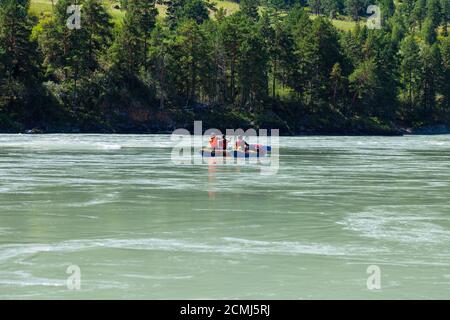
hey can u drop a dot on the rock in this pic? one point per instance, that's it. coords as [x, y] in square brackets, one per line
[406, 131]
[34, 131]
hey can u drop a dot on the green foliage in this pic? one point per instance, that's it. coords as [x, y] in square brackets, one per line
[355, 8]
[434, 13]
[420, 11]
[250, 8]
[387, 8]
[445, 84]
[20, 90]
[364, 84]
[429, 31]
[410, 71]
[129, 51]
[179, 10]
[431, 78]
[271, 63]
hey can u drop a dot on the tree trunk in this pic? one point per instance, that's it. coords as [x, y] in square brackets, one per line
[274, 78]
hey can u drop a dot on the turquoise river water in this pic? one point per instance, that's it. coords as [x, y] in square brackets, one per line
[138, 226]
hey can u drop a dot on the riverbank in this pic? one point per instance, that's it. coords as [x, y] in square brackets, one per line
[403, 132]
[352, 129]
[428, 130]
[141, 120]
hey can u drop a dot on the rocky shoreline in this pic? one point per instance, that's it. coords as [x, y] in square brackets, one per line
[425, 130]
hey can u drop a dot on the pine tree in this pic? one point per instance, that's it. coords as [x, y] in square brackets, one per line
[337, 86]
[445, 84]
[431, 77]
[15, 31]
[420, 12]
[130, 50]
[71, 55]
[316, 6]
[252, 69]
[173, 11]
[429, 31]
[445, 6]
[18, 69]
[98, 27]
[331, 8]
[323, 54]
[277, 4]
[383, 52]
[364, 84]
[192, 58]
[410, 69]
[355, 8]
[298, 64]
[250, 8]
[159, 57]
[61, 46]
[231, 35]
[180, 10]
[196, 10]
[387, 8]
[434, 12]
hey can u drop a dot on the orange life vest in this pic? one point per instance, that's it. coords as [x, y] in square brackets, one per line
[213, 142]
[240, 144]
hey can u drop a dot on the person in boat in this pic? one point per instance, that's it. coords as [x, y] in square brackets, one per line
[224, 143]
[213, 142]
[241, 144]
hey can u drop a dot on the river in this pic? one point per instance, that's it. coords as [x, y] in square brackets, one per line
[137, 226]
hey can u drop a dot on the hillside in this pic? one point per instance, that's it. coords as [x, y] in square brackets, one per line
[291, 71]
[39, 7]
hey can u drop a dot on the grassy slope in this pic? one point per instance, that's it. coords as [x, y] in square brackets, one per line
[344, 25]
[39, 7]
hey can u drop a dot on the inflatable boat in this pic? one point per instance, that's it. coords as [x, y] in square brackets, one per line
[208, 153]
[254, 147]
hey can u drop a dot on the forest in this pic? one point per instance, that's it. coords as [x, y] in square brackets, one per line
[151, 66]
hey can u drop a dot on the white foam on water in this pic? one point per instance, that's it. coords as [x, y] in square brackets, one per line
[103, 199]
[227, 245]
[18, 251]
[158, 277]
[401, 224]
[110, 146]
[56, 145]
[438, 184]
[6, 231]
[87, 217]
[297, 248]
[67, 142]
[24, 279]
